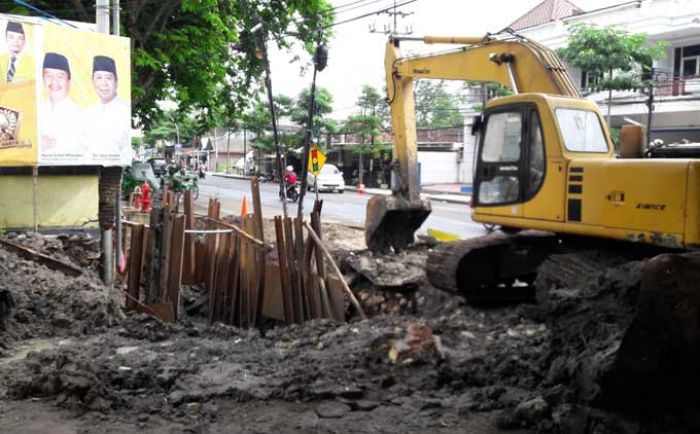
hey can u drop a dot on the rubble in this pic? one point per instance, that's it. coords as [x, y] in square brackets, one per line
[445, 367]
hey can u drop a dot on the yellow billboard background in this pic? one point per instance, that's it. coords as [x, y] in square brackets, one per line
[79, 129]
[80, 47]
[19, 96]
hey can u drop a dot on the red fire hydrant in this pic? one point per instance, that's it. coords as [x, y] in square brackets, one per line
[136, 197]
[146, 197]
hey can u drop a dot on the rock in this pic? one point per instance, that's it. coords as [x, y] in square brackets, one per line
[332, 410]
[364, 405]
[532, 410]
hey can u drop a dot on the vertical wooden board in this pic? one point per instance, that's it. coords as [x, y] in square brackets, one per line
[135, 255]
[336, 294]
[166, 241]
[200, 249]
[257, 208]
[231, 317]
[301, 275]
[291, 267]
[316, 311]
[284, 274]
[222, 276]
[212, 255]
[252, 273]
[188, 262]
[273, 306]
[176, 261]
[154, 256]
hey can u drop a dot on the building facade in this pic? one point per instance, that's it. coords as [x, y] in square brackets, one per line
[676, 107]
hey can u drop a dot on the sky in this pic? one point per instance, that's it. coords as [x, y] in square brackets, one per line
[356, 55]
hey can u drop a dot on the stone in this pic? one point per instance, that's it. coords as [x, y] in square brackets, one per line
[532, 410]
[332, 410]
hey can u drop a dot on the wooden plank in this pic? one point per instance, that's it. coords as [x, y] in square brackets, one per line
[41, 258]
[291, 268]
[212, 253]
[320, 267]
[301, 276]
[153, 261]
[260, 254]
[166, 241]
[188, 263]
[232, 318]
[176, 261]
[135, 264]
[252, 278]
[284, 274]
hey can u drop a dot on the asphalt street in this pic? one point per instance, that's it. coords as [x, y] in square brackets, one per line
[347, 208]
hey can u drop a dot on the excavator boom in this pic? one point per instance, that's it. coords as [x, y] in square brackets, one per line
[518, 63]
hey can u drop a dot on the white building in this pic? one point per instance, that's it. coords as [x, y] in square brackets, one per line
[676, 112]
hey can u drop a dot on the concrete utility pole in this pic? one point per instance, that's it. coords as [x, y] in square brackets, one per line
[109, 179]
[115, 18]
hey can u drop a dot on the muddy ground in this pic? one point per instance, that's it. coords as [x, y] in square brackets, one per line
[72, 361]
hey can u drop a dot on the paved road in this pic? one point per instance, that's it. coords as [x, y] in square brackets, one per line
[347, 208]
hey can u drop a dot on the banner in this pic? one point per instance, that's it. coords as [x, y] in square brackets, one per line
[65, 96]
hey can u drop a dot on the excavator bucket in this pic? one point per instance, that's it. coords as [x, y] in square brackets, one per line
[391, 221]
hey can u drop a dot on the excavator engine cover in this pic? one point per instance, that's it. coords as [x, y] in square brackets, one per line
[391, 221]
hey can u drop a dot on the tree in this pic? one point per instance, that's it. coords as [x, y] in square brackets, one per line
[619, 59]
[198, 53]
[172, 126]
[367, 126]
[299, 113]
[435, 107]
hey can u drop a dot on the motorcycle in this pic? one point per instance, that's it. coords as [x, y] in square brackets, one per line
[292, 192]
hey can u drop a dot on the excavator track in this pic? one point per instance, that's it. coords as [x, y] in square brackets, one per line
[493, 267]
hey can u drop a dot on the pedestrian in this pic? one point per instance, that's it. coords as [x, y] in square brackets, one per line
[59, 116]
[107, 123]
[16, 64]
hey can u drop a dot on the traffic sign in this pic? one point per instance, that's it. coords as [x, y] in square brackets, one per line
[316, 160]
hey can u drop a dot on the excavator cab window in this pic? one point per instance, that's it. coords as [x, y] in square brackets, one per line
[511, 163]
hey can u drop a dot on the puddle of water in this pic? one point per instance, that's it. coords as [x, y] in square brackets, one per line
[33, 345]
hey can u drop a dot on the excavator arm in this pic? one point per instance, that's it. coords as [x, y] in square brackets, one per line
[518, 63]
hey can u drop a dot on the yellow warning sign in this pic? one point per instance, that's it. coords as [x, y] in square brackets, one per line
[316, 160]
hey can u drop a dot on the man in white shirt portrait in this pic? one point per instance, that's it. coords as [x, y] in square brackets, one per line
[107, 123]
[59, 117]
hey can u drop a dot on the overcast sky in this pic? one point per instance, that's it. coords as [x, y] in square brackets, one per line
[356, 56]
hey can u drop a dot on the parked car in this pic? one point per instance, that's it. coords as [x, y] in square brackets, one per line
[159, 165]
[329, 179]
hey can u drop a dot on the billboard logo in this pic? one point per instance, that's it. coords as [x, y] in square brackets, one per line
[9, 129]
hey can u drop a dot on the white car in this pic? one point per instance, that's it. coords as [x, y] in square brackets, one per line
[329, 178]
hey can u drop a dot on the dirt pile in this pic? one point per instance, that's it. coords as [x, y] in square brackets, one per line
[38, 302]
[447, 367]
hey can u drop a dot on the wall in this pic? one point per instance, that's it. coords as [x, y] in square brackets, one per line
[64, 201]
[438, 167]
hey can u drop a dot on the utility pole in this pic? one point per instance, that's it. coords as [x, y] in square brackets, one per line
[109, 180]
[115, 17]
[388, 29]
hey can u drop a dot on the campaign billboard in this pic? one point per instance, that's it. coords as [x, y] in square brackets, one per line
[64, 96]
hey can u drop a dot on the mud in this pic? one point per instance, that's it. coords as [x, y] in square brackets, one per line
[74, 362]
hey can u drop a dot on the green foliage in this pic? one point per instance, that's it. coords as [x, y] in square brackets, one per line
[164, 129]
[618, 58]
[435, 107]
[197, 52]
[368, 124]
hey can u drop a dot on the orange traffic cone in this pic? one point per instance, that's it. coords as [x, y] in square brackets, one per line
[361, 189]
[244, 207]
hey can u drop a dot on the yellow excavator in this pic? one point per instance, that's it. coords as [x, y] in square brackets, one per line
[546, 168]
[548, 175]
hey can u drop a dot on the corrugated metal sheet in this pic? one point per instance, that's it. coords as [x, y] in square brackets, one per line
[548, 10]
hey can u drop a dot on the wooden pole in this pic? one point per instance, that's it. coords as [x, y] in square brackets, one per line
[325, 251]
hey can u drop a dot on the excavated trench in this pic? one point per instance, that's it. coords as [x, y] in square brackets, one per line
[424, 361]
